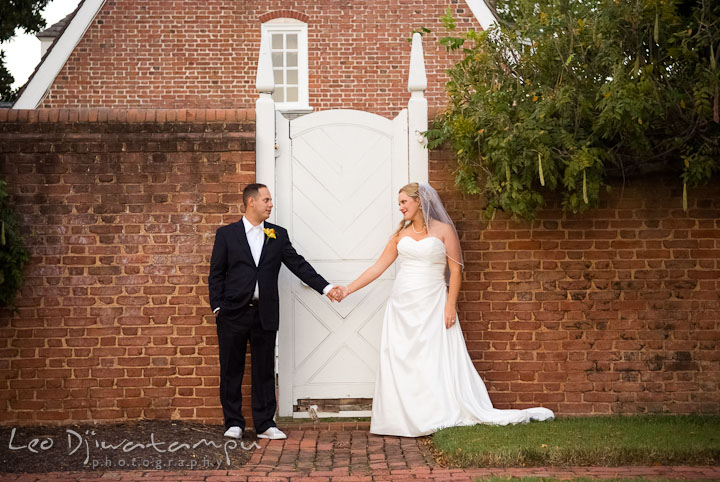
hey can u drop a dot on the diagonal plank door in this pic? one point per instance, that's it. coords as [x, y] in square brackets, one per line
[337, 195]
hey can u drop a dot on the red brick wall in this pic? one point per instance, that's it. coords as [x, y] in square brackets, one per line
[613, 311]
[119, 210]
[617, 310]
[205, 54]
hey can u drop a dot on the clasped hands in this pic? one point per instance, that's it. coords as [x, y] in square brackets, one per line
[338, 293]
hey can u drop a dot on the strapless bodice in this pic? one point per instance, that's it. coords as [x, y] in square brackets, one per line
[425, 257]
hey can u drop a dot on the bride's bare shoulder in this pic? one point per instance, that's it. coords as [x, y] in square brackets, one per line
[396, 237]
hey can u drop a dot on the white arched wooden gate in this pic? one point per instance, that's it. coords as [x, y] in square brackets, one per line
[336, 183]
[335, 176]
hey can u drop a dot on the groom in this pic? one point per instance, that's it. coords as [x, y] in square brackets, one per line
[243, 287]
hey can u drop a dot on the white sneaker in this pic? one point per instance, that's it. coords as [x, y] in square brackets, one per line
[234, 432]
[273, 433]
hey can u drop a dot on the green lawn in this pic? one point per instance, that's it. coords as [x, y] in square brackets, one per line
[580, 479]
[608, 441]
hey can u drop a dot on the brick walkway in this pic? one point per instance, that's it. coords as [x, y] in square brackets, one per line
[347, 452]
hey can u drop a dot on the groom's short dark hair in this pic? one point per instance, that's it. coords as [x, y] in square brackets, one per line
[251, 191]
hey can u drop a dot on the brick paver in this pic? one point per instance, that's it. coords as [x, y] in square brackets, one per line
[356, 455]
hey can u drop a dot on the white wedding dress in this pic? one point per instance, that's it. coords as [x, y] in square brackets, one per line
[426, 380]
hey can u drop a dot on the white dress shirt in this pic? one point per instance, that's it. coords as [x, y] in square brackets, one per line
[256, 237]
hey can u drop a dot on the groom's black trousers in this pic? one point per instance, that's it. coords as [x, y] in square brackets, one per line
[235, 327]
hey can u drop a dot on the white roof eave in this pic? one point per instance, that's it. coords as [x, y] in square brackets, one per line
[38, 86]
[482, 13]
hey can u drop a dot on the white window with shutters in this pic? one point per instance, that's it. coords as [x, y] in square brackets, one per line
[288, 42]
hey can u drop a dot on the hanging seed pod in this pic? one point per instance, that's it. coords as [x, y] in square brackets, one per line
[540, 170]
[507, 172]
[685, 196]
[656, 32]
[2, 234]
[585, 197]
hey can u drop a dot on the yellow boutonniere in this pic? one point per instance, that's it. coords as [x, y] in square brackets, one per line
[270, 233]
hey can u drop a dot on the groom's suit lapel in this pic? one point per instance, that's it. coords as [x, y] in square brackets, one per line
[266, 242]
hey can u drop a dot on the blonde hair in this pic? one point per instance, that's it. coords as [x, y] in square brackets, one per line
[411, 190]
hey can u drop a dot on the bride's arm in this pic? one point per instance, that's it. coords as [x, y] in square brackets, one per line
[453, 292]
[387, 257]
[452, 248]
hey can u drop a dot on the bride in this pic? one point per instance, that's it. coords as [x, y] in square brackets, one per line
[426, 380]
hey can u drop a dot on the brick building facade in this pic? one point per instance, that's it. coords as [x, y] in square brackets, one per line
[204, 55]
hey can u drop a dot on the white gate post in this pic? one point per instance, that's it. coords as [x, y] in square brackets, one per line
[285, 338]
[265, 121]
[417, 113]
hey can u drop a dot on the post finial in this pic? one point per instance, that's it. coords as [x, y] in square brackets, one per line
[265, 82]
[417, 79]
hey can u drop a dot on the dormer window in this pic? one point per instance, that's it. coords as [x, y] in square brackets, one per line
[287, 38]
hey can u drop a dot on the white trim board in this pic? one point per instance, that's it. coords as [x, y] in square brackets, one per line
[55, 60]
[482, 13]
[340, 414]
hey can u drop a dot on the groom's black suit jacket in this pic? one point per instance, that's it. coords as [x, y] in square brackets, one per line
[233, 273]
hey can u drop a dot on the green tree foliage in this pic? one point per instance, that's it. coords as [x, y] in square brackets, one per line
[565, 93]
[25, 15]
[6, 80]
[13, 255]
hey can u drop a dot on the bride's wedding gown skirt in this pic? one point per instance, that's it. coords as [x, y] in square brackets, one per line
[426, 380]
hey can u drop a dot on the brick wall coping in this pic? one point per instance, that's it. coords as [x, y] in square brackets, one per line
[126, 115]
